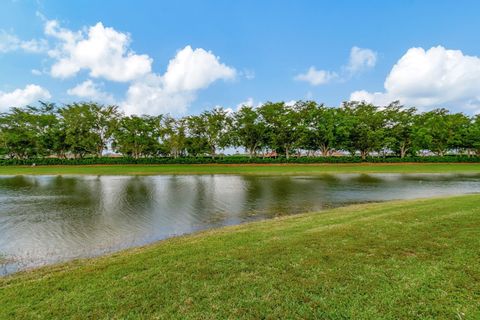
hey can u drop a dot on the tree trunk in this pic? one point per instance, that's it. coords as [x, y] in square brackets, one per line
[364, 154]
[325, 150]
[212, 152]
[287, 154]
[402, 152]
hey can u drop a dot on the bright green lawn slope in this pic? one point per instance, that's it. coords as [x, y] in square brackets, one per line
[292, 169]
[399, 260]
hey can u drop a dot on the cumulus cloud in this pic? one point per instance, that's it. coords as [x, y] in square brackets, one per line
[189, 71]
[250, 102]
[377, 98]
[10, 42]
[430, 78]
[90, 90]
[290, 103]
[21, 97]
[192, 70]
[316, 77]
[247, 103]
[103, 51]
[360, 60]
[149, 96]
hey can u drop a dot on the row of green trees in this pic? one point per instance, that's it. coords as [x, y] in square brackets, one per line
[88, 129]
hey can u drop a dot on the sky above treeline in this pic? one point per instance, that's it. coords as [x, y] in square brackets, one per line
[182, 57]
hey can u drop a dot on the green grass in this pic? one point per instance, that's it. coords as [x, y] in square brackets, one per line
[398, 260]
[244, 169]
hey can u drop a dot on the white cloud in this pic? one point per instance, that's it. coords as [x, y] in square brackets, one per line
[248, 74]
[189, 71]
[430, 78]
[103, 51]
[316, 77]
[21, 97]
[290, 103]
[360, 60]
[10, 42]
[247, 103]
[149, 96]
[250, 102]
[192, 70]
[378, 98]
[91, 91]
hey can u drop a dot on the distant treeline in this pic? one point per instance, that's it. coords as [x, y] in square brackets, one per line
[273, 130]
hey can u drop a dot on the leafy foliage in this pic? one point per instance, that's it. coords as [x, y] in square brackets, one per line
[273, 132]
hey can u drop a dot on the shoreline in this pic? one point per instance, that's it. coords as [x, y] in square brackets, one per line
[257, 169]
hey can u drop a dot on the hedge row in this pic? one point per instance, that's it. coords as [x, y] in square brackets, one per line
[234, 160]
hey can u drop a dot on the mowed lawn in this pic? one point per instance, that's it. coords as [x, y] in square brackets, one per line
[276, 169]
[415, 259]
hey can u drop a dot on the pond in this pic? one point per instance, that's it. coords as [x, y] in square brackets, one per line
[48, 219]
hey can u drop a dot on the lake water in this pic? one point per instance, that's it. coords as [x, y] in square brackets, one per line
[47, 219]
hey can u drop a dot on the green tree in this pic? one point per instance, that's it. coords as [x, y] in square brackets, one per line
[440, 131]
[324, 128]
[210, 130]
[19, 135]
[366, 128]
[137, 136]
[283, 129]
[88, 127]
[472, 136]
[52, 132]
[248, 130]
[106, 120]
[174, 136]
[400, 128]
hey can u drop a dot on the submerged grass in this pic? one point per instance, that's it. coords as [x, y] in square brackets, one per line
[277, 169]
[396, 260]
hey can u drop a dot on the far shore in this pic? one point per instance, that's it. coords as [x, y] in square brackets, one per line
[257, 169]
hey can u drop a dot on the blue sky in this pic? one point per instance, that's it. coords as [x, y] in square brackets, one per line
[187, 56]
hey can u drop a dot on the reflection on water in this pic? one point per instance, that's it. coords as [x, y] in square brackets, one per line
[45, 219]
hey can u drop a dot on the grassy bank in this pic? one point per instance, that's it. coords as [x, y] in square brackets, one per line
[244, 169]
[404, 259]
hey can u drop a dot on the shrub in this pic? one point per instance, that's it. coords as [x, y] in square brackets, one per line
[234, 160]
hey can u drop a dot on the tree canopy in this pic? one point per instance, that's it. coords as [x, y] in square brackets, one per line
[90, 129]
